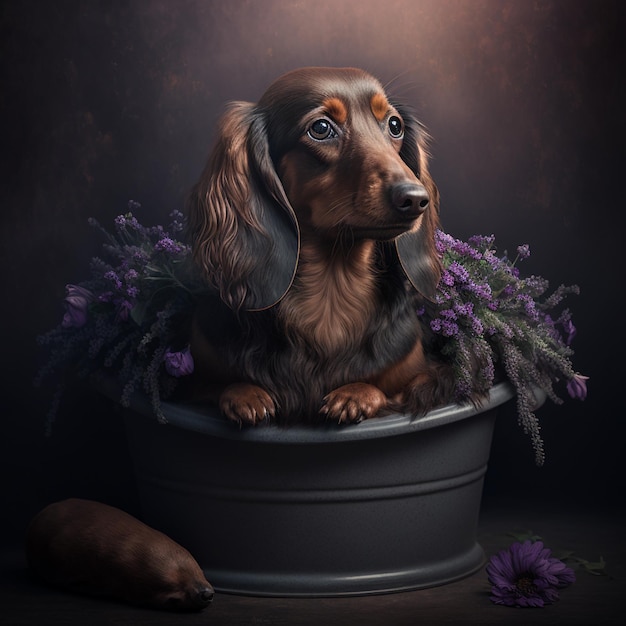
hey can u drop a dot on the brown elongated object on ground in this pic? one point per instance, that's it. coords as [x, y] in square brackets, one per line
[96, 549]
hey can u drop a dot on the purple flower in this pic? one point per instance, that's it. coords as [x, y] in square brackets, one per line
[168, 245]
[527, 575]
[493, 260]
[435, 325]
[129, 220]
[458, 270]
[482, 241]
[179, 364]
[536, 284]
[467, 308]
[577, 386]
[523, 252]
[529, 305]
[124, 308]
[481, 290]
[445, 243]
[477, 325]
[570, 329]
[447, 278]
[177, 224]
[114, 278]
[449, 314]
[77, 300]
[445, 327]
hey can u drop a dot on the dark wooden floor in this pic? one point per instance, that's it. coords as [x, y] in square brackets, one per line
[592, 600]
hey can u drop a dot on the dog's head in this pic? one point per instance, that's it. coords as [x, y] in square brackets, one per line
[323, 155]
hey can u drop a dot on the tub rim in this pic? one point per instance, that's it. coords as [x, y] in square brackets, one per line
[207, 420]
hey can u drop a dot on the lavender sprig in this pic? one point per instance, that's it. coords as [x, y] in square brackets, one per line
[489, 319]
[126, 316]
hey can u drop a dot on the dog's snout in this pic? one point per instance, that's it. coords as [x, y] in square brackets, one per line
[205, 596]
[409, 199]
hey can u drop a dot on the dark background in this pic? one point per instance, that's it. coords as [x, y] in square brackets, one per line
[103, 102]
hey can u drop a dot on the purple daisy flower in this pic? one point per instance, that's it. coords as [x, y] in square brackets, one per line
[526, 574]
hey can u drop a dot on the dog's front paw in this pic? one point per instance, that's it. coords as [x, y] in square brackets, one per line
[353, 403]
[245, 403]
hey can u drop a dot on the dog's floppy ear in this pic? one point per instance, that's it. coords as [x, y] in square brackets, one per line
[244, 233]
[416, 248]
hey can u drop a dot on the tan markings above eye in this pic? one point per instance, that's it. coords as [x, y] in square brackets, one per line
[336, 109]
[380, 106]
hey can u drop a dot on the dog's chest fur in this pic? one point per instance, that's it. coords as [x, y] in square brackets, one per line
[333, 299]
[331, 329]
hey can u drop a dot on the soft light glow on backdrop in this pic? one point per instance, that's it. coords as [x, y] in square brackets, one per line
[487, 78]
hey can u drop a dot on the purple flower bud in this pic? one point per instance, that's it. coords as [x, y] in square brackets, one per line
[77, 300]
[123, 310]
[179, 364]
[577, 387]
[570, 329]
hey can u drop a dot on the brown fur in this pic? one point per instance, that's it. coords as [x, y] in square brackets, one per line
[331, 301]
[96, 549]
[314, 220]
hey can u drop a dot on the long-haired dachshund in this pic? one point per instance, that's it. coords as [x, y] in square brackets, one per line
[314, 223]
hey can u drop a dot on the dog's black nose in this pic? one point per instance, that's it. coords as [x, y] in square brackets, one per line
[205, 596]
[409, 199]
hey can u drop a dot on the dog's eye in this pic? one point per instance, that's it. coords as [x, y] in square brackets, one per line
[321, 129]
[396, 130]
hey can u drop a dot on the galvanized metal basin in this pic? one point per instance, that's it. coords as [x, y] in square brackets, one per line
[387, 505]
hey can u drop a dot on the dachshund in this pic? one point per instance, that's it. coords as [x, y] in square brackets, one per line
[99, 550]
[313, 223]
